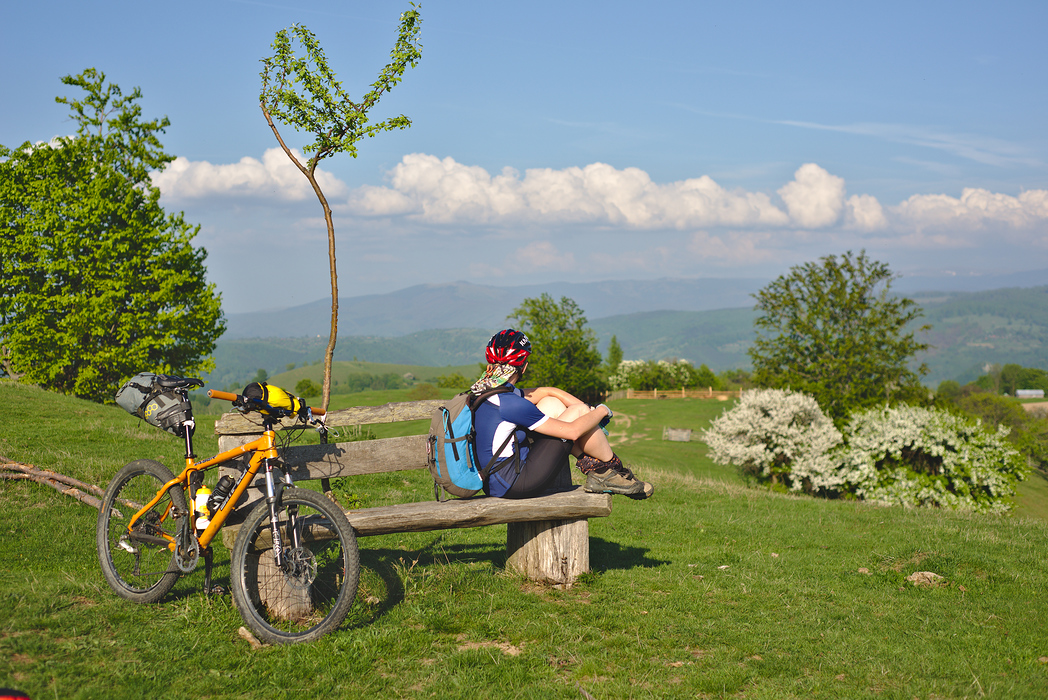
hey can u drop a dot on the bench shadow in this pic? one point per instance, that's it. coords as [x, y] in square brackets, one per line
[388, 564]
[391, 565]
[606, 555]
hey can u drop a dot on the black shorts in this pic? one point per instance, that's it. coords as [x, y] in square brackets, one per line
[546, 457]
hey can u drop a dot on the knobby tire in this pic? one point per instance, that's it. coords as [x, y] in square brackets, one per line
[135, 565]
[311, 594]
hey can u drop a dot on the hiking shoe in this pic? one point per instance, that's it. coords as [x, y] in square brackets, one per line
[645, 493]
[613, 481]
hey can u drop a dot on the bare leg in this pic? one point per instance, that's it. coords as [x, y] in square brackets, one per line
[594, 443]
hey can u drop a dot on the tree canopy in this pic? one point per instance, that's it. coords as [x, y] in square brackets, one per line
[302, 91]
[98, 283]
[834, 330]
[564, 347]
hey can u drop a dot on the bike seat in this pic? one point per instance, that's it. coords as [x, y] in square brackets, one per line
[170, 381]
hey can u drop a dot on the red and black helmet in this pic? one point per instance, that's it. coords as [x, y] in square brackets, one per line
[508, 347]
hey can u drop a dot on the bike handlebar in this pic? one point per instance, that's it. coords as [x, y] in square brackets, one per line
[227, 396]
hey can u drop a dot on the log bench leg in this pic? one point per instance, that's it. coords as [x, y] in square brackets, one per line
[550, 551]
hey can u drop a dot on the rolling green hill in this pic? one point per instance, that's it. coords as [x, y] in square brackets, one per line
[969, 330]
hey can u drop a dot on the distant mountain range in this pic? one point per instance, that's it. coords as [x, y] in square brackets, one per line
[464, 305]
[706, 321]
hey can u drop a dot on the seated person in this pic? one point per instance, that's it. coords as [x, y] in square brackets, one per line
[543, 426]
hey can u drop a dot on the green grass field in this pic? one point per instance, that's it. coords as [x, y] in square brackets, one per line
[710, 589]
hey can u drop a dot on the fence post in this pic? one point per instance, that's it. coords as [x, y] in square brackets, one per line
[656, 393]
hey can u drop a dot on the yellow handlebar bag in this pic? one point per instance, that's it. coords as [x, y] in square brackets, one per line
[274, 396]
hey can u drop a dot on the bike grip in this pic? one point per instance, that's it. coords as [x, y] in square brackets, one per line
[317, 411]
[216, 394]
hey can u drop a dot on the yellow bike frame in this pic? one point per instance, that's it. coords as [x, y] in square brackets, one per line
[264, 448]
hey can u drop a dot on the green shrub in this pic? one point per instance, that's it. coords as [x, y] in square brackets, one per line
[423, 392]
[914, 456]
[307, 388]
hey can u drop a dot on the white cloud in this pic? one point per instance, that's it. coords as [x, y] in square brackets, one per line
[814, 198]
[443, 191]
[973, 210]
[424, 189]
[275, 176]
[864, 212]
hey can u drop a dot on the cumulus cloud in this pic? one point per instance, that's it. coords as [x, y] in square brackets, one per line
[814, 198]
[974, 209]
[443, 191]
[275, 176]
[864, 212]
[425, 189]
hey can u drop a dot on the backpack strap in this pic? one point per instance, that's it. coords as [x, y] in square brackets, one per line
[475, 403]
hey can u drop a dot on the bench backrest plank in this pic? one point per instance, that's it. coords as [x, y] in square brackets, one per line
[239, 424]
[354, 458]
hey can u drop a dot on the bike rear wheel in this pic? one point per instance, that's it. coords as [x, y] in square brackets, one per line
[310, 593]
[137, 564]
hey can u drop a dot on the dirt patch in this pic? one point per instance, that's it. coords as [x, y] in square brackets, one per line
[505, 647]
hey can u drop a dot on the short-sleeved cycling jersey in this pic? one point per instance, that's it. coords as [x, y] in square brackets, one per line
[494, 420]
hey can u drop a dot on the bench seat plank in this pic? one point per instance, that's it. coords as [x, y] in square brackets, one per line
[475, 512]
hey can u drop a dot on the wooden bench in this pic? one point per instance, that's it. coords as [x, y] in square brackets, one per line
[548, 535]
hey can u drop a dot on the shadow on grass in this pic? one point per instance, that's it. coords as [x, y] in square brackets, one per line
[606, 555]
[392, 565]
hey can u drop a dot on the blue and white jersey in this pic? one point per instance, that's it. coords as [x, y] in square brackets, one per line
[499, 416]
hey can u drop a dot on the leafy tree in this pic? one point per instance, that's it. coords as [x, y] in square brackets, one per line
[611, 363]
[303, 93]
[833, 329]
[564, 348]
[1027, 433]
[455, 380]
[307, 388]
[97, 282]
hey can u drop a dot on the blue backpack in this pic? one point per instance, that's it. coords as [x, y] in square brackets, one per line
[451, 450]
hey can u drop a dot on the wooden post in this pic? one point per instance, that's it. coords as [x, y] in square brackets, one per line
[283, 598]
[553, 551]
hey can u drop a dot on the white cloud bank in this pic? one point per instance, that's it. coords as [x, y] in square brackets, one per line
[275, 176]
[429, 190]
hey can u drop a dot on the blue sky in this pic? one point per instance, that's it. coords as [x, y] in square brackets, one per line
[582, 141]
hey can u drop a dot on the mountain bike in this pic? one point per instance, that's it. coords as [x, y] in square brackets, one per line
[294, 567]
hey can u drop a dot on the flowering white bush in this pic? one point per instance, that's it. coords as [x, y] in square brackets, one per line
[917, 456]
[778, 436]
[678, 373]
[628, 369]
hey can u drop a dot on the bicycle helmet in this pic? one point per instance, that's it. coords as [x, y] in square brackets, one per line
[508, 347]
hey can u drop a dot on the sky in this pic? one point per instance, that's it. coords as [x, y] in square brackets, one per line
[579, 141]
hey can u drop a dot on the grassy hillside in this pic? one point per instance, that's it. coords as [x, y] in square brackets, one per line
[709, 589]
[971, 330]
[238, 360]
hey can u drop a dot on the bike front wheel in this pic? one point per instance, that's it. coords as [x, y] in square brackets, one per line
[136, 561]
[309, 591]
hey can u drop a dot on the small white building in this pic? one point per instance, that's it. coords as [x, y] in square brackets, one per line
[1029, 393]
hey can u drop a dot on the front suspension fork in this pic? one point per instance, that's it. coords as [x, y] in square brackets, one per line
[273, 493]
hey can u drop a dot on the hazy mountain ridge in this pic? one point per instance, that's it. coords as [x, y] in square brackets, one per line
[969, 329]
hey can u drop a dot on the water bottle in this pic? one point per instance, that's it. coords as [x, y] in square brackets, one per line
[202, 510]
[222, 490]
